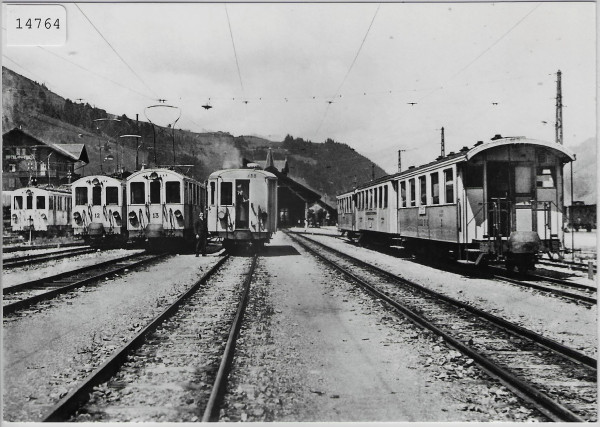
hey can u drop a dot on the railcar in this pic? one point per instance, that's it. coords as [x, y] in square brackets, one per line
[162, 206]
[580, 215]
[499, 201]
[242, 206]
[43, 211]
[99, 215]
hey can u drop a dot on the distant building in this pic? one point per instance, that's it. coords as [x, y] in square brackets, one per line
[27, 160]
[294, 199]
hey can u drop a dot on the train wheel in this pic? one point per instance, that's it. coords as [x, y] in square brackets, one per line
[509, 265]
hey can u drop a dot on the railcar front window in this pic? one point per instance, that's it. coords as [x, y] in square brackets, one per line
[138, 193]
[112, 195]
[173, 192]
[40, 202]
[18, 202]
[96, 195]
[154, 191]
[435, 188]
[423, 190]
[545, 177]
[473, 176]
[227, 193]
[81, 196]
[29, 202]
[449, 183]
[403, 194]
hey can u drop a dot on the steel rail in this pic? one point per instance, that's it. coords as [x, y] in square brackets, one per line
[216, 395]
[544, 403]
[38, 282]
[79, 396]
[33, 247]
[12, 307]
[567, 294]
[567, 264]
[39, 258]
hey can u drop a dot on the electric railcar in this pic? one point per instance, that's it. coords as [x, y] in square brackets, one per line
[162, 206]
[41, 210]
[242, 206]
[99, 210]
[499, 201]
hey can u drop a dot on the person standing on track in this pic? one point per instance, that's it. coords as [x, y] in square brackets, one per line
[201, 230]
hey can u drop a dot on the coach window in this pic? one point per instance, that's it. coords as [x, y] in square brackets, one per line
[212, 193]
[449, 185]
[81, 195]
[545, 177]
[40, 202]
[403, 194]
[423, 190]
[435, 188]
[138, 193]
[227, 193]
[173, 192]
[112, 195]
[385, 196]
[413, 192]
[155, 191]
[96, 195]
[380, 197]
[51, 202]
[375, 198]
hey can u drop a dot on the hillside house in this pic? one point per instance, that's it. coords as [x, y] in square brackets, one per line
[27, 160]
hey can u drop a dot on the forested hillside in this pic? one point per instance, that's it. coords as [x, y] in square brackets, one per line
[328, 168]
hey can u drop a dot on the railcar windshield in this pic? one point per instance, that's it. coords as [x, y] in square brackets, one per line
[226, 193]
[154, 191]
[173, 192]
[112, 195]
[81, 195]
[18, 202]
[40, 202]
[96, 195]
[138, 193]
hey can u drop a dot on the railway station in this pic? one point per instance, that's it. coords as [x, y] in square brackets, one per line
[171, 253]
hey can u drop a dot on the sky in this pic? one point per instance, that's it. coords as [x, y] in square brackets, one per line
[379, 77]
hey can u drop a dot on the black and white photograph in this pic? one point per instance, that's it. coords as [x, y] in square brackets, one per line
[299, 212]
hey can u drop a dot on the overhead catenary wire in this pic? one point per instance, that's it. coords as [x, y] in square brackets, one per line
[115, 51]
[237, 62]
[348, 72]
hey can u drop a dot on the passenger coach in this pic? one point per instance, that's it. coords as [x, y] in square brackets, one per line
[242, 206]
[497, 201]
[41, 210]
[162, 205]
[99, 209]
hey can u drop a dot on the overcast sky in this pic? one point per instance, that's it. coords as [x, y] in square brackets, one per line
[344, 71]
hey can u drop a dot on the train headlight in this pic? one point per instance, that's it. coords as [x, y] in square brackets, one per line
[133, 219]
[263, 216]
[178, 215]
[222, 213]
[77, 218]
[15, 218]
[44, 217]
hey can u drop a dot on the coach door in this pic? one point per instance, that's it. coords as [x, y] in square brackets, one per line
[242, 203]
[523, 197]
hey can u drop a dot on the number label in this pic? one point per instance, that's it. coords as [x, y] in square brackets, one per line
[36, 25]
[154, 214]
[96, 215]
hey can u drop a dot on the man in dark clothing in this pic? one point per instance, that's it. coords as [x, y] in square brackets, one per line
[201, 230]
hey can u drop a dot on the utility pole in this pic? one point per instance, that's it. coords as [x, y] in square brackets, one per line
[443, 144]
[559, 125]
[372, 171]
[400, 160]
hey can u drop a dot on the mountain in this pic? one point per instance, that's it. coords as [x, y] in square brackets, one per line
[584, 173]
[328, 168]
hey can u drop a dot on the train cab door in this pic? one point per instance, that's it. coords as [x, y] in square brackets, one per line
[242, 203]
[510, 193]
[523, 197]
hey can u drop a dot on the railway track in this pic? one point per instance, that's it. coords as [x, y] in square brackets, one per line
[579, 266]
[187, 350]
[23, 248]
[559, 381]
[39, 258]
[23, 295]
[574, 291]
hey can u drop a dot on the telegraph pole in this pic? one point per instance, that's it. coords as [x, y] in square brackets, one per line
[443, 153]
[400, 160]
[559, 125]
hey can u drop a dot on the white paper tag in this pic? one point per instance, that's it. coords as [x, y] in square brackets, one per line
[36, 25]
